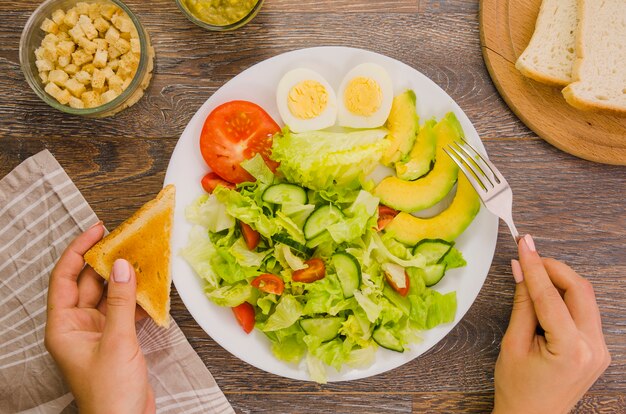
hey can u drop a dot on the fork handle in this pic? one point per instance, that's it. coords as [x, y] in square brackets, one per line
[513, 230]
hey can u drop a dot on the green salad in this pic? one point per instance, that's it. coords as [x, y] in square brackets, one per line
[321, 281]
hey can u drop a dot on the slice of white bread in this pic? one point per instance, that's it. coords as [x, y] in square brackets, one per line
[599, 72]
[549, 56]
[144, 241]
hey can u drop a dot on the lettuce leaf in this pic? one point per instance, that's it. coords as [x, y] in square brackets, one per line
[417, 285]
[284, 253]
[442, 308]
[350, 228]
[361, 357]
[198, 253]
[244, 256]
[298, 213]
[383, 251]
[366, 200]
[316, 369]
[209, 212]
[227, 266]
[370, 304]
[331, 353]
[321, 159]
[390, 314]
[257, 168]
[265, 303]
[358, 329]
[288, 344]
[321, 295]
[432, 308]
[287, 312]
[246, 209]
[233, 295]
[406, 331]
[454, 258]
[293, 230]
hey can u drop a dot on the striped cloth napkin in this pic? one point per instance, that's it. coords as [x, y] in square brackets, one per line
[41, 211]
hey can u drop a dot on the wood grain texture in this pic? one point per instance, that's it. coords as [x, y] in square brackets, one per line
[575, 208]
[506, 29]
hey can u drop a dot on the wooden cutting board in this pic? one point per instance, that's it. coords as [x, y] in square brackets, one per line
[506, 27]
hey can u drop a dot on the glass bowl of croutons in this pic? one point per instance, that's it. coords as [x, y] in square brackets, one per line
[90, 58]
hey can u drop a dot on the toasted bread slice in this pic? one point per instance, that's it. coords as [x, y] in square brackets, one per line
[144, 241]
[550, 54]
[599, 72]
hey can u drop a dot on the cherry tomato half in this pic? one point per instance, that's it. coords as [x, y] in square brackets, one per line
[269, 283]
[250, 235]
[315, 271]
[402, 291]
[385, 215]
[245, 316]
[234, 132]
[212, 180]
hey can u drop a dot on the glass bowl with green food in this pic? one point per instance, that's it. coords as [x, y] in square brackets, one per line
[90, 58]
[220, 15]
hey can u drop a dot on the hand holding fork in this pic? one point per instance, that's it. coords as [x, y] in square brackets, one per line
[545, 372]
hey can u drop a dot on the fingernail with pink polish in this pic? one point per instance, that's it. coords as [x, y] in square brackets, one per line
[516, 268]
[529, 242]
[121, 271]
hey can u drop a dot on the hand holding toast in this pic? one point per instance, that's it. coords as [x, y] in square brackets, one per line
[91, 335]
[548, 373]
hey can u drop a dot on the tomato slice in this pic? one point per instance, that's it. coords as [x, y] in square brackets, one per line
[212, 180]
[402, 291]
[234, 132]
[315, 271]
[250, 235]
[269, 283]
[245, 316]
[385, 215]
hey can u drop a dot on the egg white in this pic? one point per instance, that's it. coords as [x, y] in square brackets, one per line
[378, 74]
[324, 120]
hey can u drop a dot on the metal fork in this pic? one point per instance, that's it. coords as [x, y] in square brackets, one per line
[488, 182]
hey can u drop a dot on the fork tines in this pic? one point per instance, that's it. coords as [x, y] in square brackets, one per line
[478, 169]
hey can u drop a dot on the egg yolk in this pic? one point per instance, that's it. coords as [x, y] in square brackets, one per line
[363, 96]
[307, 99]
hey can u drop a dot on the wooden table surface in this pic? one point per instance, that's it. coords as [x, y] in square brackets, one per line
[574, 208]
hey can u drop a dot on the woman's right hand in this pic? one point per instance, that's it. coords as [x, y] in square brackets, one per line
[549, 372]
[91, 335]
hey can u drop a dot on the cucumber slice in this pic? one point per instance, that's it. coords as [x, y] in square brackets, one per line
[324, 328]
[284, 239]
[320, 219]
[432, 250]
[383, 337]
[434, 273]
[348, 271]
[285, 193]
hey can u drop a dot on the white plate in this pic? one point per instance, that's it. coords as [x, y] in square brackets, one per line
[258, 84]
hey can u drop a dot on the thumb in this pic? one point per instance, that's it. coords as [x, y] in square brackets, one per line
[523, 323]
[121, 299]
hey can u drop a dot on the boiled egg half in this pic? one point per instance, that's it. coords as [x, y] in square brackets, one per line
[305, 101]
[365, 97]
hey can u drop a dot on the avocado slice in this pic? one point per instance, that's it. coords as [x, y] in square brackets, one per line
[420, 194]
[447, 225]
[422, 157]
[402, 124]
